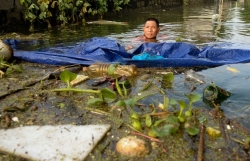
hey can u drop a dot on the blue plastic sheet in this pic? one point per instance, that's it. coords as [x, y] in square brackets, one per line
[101, 49]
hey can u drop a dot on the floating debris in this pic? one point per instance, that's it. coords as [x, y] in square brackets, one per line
[234, 70]
[105, 22]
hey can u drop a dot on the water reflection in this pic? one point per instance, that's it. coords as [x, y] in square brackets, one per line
[199, 24]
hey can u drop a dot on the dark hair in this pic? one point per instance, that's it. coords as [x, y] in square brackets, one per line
[153, 19]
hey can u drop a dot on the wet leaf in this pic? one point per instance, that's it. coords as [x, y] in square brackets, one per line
[135, 115]
[118, 88]
[42, 15]
[182, 104]
[111, 69]
[61, 105]
[148, 120]
[182, 118]
[152, 134]
[131, 102]
[168, 78]
[193, 97]
[67, 76]
[125, 85]
[120, 103]
[158, 122]
[172, 101]
[165, 102]
[43, 7]
[136, 124]
[191, 130]
[189, 112]
[166, 130]
[171, 119]
[202, 119]
[95, 102]
[108, 94]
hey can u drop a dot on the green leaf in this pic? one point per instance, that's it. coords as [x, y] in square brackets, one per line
[90, 11]
[67, 76]
[189, 112]
[42, 15]
[22, 2]
[108, 94]
[192, 130]
[95, 102]
[171, 119]
[79, 3]
[61, 105]
[193, 97]
[158, 122]
[131, 102]
[120, 103]
[118, 88]
[111, 69]
[202, 119]
[135, 115]
[30, 16]
[165, 102]
[33, 6]
[166, 130]
[125, 86]
[148, 120]
[43, 7]
[181, 118]
[168, 78]
[86, 4]
[136, 124]
[172, 101]
[152, 134]
[182, 104]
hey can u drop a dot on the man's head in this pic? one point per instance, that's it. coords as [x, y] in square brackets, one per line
[151, 28]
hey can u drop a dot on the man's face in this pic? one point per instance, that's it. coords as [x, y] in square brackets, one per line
[150, 29]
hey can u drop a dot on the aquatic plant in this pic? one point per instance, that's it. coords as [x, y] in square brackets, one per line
[65, 11]
[7, 68]
[170, 121]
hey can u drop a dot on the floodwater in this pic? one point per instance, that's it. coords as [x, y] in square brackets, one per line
[200, 24]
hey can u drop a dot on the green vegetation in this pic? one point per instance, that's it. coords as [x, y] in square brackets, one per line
[65, 11]
[9, 67]
[181, 114]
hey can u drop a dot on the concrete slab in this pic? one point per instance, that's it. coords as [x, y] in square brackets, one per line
[62, 142]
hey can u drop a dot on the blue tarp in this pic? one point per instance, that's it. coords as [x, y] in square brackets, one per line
[102, 49]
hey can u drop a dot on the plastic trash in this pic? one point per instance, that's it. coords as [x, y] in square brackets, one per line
[191, 75]
[214, 93]
[146, 56]
[101, 69]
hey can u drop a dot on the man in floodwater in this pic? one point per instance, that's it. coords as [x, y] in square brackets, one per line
[151, 29]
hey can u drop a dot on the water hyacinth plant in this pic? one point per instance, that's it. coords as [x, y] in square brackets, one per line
[167, 124]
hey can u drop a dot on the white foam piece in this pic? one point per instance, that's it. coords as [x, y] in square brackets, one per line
[62, 142]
